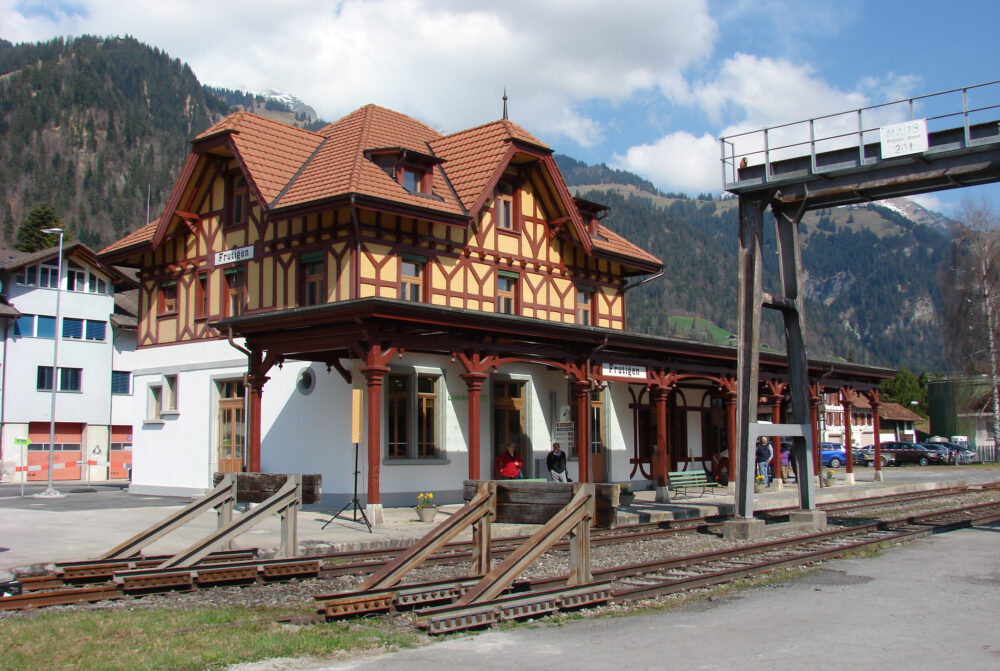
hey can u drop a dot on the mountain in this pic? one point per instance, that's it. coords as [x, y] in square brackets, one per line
[98, 128]
[95, 127]
[870, 271]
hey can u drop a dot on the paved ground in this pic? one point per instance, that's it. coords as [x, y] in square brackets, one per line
[930, 604]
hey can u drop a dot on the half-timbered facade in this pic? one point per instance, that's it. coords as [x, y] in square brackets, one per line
[452, 279]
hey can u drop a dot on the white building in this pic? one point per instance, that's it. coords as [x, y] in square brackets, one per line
[88, 331]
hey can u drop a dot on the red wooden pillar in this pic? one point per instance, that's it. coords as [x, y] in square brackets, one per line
[775, 401]
[257, 365]
[375, 376]
[474, 384]
[847, 403]
[581, 394]
[375, 370]
[256, 384]
[661, 460]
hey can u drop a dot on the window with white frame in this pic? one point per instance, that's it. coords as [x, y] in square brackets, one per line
[170, 398]
[48, 274]
[35, 326]
[121, 382]
[154, 403]
[76, 278]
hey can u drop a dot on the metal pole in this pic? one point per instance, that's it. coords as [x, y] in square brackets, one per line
[50, 490]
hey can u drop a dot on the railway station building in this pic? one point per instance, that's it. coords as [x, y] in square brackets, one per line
[377, 292]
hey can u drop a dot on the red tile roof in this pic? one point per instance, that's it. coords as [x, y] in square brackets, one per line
[143, 235]
[289, 167]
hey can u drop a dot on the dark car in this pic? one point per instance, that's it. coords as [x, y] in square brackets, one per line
[944, 453]
[865, 456]
[911, 453]
[960, 454]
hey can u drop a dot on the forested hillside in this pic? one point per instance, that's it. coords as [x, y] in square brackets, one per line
[92, 126]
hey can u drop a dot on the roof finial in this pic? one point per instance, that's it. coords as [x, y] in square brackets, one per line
[505, 103]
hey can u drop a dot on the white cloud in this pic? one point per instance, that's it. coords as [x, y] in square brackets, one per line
[677, 162]
[443, 61]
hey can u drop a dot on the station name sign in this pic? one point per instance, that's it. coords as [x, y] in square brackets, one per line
[234, 255]
[902, 139]
[623, 371]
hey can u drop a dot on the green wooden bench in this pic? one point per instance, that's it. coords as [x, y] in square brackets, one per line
[682, 481]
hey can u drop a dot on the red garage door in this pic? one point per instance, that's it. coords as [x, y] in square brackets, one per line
[65, 454]
[120, 454]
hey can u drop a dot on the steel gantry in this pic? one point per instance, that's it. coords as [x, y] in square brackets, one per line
[838, 159]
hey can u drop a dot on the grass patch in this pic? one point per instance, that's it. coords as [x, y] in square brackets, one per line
[182, 640]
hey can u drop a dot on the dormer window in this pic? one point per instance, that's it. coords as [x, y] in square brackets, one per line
[415, 180]
[411, 169]
[504, 204]
[239, 201]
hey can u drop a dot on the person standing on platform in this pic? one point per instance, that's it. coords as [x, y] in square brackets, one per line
[556, 463]
[763, 460]
[508, 465]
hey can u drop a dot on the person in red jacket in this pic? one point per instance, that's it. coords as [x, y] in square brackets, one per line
[508, 465]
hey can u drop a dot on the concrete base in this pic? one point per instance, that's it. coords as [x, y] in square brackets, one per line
[879, 475]
[778, 484]
[662, 495]
[808, 519]
[743, 529]
[375, 515]
[849, 479]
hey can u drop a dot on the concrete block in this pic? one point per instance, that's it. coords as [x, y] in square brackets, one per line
[808, 519]
[743, 529]
[375, 514]
[662, 495]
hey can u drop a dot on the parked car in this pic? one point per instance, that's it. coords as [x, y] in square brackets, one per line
[832, 455]
[865, 456]
[943, 452]
[961, 454]
[911, 453]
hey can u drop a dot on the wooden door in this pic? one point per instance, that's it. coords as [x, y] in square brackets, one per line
[232, 440]
[508, 420]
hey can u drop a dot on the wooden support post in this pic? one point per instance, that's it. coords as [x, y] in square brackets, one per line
[474, 385]
[482, 533]
[579, 547]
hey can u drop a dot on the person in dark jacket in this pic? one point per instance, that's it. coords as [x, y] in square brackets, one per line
[556, 463]
[763, 460]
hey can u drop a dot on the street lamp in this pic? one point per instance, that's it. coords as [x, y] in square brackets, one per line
[50, 490]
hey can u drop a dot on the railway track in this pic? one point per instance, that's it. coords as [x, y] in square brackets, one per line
[636, 582]
[90, 581]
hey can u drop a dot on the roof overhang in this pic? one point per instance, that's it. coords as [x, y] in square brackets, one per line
[333, 331]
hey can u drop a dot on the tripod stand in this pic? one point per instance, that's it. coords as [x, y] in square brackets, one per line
[354, 501]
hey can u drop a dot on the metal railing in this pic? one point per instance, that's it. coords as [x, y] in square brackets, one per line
[856, 128]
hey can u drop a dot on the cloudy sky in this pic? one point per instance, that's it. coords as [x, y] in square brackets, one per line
[647, 86]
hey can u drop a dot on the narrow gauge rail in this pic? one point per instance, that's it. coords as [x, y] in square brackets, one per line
[651, 579]
[90, 581]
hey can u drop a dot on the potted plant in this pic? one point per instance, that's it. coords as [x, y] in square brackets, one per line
[625, 494]
[829, 478]
[425, 506]
[758, 484]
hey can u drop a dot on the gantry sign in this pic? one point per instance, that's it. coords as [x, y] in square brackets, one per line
[858, 156]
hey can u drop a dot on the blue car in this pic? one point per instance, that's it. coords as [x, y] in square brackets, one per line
[832, 455]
